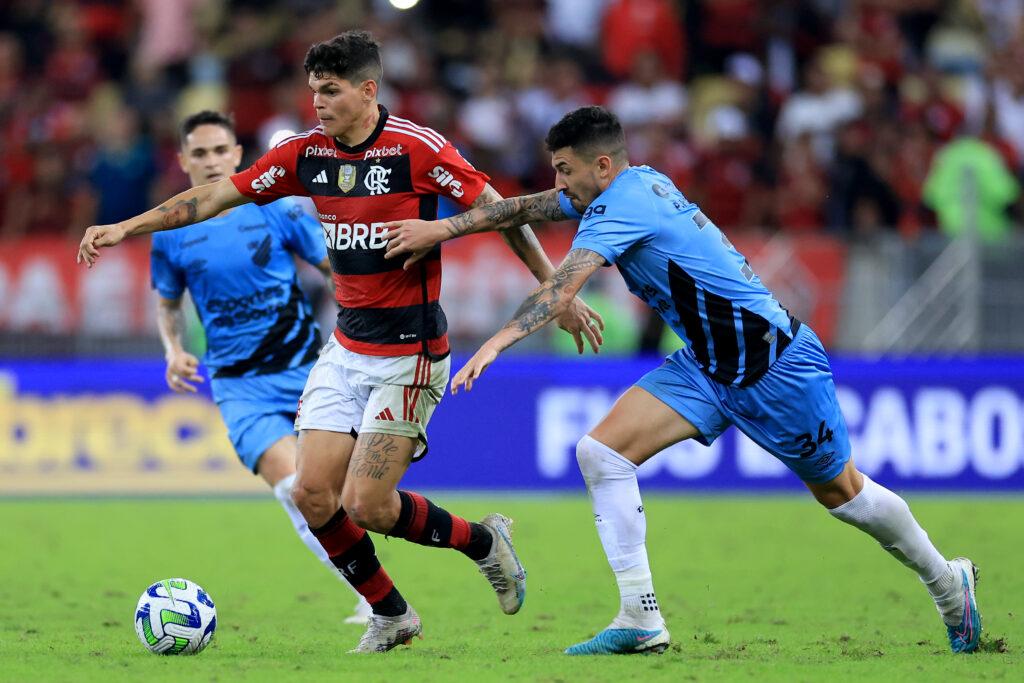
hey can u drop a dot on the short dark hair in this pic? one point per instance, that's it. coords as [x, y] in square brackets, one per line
[590, 132]
[352, 55]
[202, 118]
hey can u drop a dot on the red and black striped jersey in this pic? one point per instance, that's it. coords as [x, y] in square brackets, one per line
[397, 173]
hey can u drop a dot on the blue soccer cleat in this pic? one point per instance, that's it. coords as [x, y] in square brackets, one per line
[964, 637]
[623, 641]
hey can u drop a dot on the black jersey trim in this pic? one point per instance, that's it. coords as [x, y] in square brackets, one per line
[720, 356]
[368, 142]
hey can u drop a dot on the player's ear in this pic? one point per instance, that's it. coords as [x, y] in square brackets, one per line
[181, 162]
[369, 89]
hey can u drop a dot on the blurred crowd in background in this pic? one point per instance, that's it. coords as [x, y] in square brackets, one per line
[848, 117]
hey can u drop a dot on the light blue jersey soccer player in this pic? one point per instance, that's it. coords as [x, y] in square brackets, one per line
[746, 362]
[261, 337]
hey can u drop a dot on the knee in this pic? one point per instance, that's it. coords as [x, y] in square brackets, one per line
[598, 461]
[587, 456]
[308, 498]
[840, 490]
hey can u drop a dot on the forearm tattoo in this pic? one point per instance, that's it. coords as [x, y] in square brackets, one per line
[183, 212]
[549, 300]
[487, 214]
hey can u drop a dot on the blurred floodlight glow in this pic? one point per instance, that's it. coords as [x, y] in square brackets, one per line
[403, 4]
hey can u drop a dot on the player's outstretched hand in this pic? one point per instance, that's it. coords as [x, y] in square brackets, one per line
[412, 235]
[474, 368]
[580, 320]
[96, 237]
[181, 367]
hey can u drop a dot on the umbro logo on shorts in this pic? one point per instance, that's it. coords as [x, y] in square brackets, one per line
[385, 415]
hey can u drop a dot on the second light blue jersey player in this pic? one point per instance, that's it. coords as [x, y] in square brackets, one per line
[257, 319]
[261, 336]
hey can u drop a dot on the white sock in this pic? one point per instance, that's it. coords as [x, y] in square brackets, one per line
[283, 493]
[887, 518]
[622, 527]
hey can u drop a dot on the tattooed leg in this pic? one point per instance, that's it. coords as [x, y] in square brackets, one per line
[377, 465]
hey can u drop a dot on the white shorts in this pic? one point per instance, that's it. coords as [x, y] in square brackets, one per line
[354, 393]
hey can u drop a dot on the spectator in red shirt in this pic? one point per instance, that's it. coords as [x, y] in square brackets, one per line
[630, 26]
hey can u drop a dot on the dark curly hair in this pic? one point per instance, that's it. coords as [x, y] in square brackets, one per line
[590, 132]
[202, 118]
[353, 56]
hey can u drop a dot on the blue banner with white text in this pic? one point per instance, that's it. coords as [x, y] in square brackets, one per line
[113, 426]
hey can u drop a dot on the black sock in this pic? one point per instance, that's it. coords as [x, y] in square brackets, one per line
[423, 522]
[392, 605]
[480, 541]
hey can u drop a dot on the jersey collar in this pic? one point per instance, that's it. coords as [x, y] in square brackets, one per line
[368, 142]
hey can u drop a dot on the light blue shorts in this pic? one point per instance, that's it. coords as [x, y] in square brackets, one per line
[791, 412]
[259, 410]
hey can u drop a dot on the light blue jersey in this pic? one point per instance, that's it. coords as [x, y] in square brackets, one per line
[241, 274]
[682, 265]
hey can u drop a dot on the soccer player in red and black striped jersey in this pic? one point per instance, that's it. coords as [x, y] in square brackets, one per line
[363, 414]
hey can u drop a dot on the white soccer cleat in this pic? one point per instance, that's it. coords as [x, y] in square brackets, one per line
[362, 613]
[501, 566]
[385, 633]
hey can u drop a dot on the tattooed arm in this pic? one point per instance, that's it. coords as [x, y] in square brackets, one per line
[543, 305]
[504, 214]
[488, 212]
[191, 206]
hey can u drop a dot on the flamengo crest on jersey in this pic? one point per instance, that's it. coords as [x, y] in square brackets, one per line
[397, 173]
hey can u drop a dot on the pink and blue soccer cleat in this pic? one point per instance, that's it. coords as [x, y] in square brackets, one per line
[623, 641]
[964, 637]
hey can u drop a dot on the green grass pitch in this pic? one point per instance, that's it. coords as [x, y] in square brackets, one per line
[753, 588]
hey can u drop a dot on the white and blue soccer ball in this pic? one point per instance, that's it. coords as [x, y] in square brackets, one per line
[175, 617]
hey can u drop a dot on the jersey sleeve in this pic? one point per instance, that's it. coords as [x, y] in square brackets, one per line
[165, 277]
[612, 224]
[448, 174]
[300, 233]
[271, 177]
[568, 208]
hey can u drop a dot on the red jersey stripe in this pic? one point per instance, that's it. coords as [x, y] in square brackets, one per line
[388, 289]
